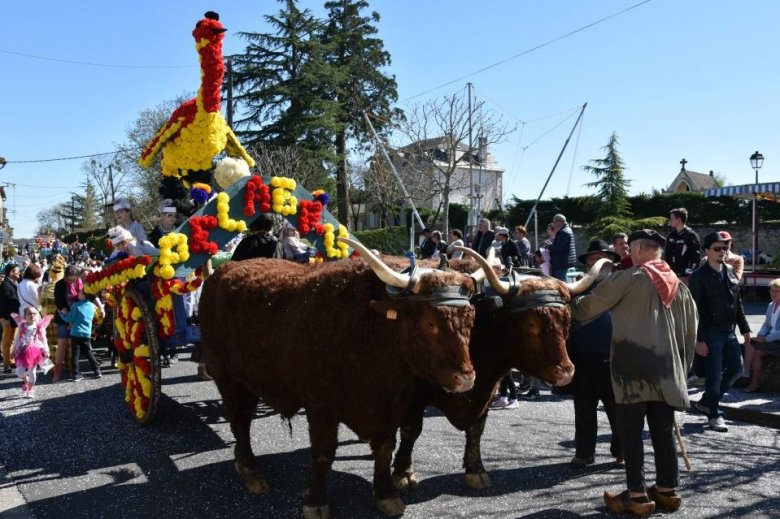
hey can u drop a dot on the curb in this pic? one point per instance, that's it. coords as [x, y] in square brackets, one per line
[12, 503]
[750, 416]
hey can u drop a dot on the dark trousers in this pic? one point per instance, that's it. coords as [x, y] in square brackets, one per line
[630, 421]
[507, 387]
[592, 382]
[81, 345]
[724, 365]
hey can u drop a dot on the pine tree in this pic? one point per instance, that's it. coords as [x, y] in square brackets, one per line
[610, 181]
[90, 208]
[282, 84]
[358, 57]
[610, 206]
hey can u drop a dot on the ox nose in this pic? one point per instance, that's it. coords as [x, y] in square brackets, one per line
[462, 382]
[564, 374]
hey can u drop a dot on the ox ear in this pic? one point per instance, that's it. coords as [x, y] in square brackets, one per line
[387, 308]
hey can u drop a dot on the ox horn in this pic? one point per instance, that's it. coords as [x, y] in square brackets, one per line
[502, 287]
[583, 284]
[383, 272]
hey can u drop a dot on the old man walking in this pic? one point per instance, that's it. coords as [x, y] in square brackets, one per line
[653, 333]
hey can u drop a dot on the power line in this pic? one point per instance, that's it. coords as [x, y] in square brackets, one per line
[528, 51]
[76, 157]
[90, 63]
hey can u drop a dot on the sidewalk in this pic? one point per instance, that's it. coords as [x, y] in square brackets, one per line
[756, 408]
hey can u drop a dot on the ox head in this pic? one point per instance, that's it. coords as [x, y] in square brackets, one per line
[534, 319]
[432, 317]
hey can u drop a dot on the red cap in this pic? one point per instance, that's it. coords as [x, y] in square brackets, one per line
[724, 236]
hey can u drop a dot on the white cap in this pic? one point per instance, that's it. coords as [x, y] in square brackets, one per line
[167, 206]
[121, 203]
[119, 234]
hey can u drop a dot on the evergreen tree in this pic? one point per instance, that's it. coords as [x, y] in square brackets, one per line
[91, 217]
[282, 83]
[611, 183]
[610, 206]
[358, 57]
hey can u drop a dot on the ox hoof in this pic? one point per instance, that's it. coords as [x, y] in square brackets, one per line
[406, 481]
[253, 480]
[316, 512]
[391, 506]
[478, 481]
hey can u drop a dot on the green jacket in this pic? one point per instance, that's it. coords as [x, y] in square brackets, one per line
[652, 346]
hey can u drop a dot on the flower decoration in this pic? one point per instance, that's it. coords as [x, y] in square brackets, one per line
[200, 193]
[283, 201]
[256, 192]
[199, 239]
[229, 171]
[135, 375]
[322, 197]
[117, 273]
[332, 249]
[223, 218]
[173, 250]
[310, 217]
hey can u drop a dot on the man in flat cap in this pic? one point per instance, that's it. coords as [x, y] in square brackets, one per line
[715, 289]
[654, 323]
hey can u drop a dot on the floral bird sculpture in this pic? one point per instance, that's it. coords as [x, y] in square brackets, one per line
[196, 131]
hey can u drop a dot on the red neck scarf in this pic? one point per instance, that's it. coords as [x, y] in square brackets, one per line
[664, 280]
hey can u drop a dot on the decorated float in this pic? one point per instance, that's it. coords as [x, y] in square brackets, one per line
[139, 288]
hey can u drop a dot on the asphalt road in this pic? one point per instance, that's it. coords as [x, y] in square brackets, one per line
[74, 451]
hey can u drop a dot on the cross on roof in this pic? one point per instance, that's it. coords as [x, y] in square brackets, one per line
[683, 162]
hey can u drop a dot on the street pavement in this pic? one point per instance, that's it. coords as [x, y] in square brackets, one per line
[75, 452]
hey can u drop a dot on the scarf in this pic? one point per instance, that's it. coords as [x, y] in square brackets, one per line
[664, 280]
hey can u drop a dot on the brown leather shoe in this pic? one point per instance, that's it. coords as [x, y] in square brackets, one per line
[668, 500]
[622, 502]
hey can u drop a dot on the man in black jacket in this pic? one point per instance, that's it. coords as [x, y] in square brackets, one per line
[683, 249]
[9, 303]
[715, 289]
[428, 247]
[484, 239]
[259, 242]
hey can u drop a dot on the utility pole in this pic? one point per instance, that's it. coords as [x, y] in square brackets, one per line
[111, 181]
[471, 218]
[482, 145]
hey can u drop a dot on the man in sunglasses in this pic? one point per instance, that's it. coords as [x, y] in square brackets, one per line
[715, 289]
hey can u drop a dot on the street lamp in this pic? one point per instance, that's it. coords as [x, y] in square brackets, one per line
[756, 161]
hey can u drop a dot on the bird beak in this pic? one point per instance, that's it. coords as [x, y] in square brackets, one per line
[219, 31]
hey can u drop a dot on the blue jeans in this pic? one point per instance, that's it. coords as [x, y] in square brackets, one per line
[723, 364]
[560, 274]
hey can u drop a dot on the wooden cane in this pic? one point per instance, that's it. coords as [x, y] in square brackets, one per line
[683, 450]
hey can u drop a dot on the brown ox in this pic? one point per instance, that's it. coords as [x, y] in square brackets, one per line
[329, 339]
[527, 330]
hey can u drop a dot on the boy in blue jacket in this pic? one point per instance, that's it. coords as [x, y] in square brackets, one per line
[80, 317]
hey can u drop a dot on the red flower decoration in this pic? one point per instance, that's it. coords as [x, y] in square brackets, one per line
[255, 192]
[310, 217]
[199, 239]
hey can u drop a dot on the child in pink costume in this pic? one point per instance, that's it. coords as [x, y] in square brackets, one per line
[30, 348]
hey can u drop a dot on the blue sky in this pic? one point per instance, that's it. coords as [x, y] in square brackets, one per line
[674, 78]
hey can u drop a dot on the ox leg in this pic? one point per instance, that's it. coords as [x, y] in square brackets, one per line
[476, 476]
[403, 471]
[323, 436]
[385, 493]
[240, 407]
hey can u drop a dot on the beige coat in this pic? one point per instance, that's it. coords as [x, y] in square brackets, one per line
[652, 346]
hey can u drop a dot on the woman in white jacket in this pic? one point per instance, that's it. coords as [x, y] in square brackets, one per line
[29, 288]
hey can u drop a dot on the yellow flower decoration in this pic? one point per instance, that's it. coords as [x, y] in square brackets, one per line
[223, 218]
[333, 249]
[282, 200]
[173, 250]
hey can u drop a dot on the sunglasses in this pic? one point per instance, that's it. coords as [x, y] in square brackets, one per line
[719, 248]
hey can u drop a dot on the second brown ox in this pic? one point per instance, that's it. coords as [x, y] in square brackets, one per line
[526, 328]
